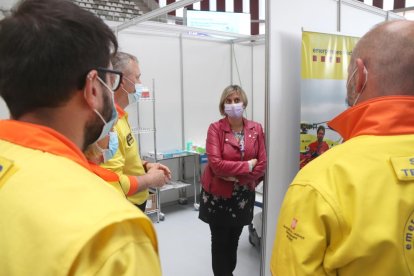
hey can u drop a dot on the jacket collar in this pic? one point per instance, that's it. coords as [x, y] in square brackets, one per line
[48, 140]
[389, 115]
[120, 110]
[225, 125]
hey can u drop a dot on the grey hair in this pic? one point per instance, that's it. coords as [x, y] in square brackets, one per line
[121, 60]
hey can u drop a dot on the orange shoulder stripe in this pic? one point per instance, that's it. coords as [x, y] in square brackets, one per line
[48, 140]
[133, 185]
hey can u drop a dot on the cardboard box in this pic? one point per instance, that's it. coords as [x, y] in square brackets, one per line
[151, 203]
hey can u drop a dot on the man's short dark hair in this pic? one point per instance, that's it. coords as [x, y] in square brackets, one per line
[321, 128]
[46, 49]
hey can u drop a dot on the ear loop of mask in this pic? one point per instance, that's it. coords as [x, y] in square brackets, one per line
[96, 111]
[123, 89]
[122, 86]
[363, 86]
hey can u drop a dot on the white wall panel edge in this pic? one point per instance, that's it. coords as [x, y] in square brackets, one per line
[283, 99]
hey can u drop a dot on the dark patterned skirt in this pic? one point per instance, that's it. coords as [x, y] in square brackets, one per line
[234, 211]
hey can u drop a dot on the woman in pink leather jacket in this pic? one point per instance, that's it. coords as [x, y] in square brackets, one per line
[236, 164]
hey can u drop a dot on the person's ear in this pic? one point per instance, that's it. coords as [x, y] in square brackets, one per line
[361, 77]
[90, 90]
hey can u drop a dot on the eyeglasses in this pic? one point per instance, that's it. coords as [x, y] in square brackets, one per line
[115, 77]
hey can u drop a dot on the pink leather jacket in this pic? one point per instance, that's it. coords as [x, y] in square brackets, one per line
[225, 157]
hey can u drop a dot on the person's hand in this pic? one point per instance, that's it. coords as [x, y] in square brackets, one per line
[157, 178]
[253, 162]
[158, 166]
[229, 178]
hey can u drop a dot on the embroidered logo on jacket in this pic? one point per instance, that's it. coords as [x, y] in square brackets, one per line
[129, 139]
[291, 232]
[294, 223]
[409, 243]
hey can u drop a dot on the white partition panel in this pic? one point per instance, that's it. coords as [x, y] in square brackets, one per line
[283, 80]
[358, 18]
[259, 73]
[242, 59]
[159, 59]
[206, 67]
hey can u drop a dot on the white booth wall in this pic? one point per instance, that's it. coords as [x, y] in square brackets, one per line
[207, 68]
[259, 83]
[284, 38]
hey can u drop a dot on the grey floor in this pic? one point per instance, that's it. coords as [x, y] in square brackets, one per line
[184, 244]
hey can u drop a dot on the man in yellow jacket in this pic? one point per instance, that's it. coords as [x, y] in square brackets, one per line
[136, 175]
[351, 211]
[58, 215]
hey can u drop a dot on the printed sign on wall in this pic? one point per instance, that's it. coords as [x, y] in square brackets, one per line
[325, 60]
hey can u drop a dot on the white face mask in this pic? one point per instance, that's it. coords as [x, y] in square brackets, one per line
[234, 110]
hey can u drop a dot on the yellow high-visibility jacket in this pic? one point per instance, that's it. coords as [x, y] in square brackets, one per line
[59, 218]
[351, 211]
[126, 161]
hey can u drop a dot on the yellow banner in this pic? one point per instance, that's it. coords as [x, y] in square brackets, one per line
[326, 56]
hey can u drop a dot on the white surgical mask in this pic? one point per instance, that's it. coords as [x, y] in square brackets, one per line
[234, 110]
[96, 154]
[108, 153]
[136, 95]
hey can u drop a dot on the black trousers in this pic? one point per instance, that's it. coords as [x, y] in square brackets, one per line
[224, 242]
[142, 206]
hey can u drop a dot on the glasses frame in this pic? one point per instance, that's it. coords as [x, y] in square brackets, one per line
[106, 70]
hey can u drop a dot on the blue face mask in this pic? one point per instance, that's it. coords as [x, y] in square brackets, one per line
[107, 125]
[108, 153]
[136, 95]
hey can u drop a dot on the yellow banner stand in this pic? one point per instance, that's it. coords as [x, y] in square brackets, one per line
[325, 60]
[326, 56]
